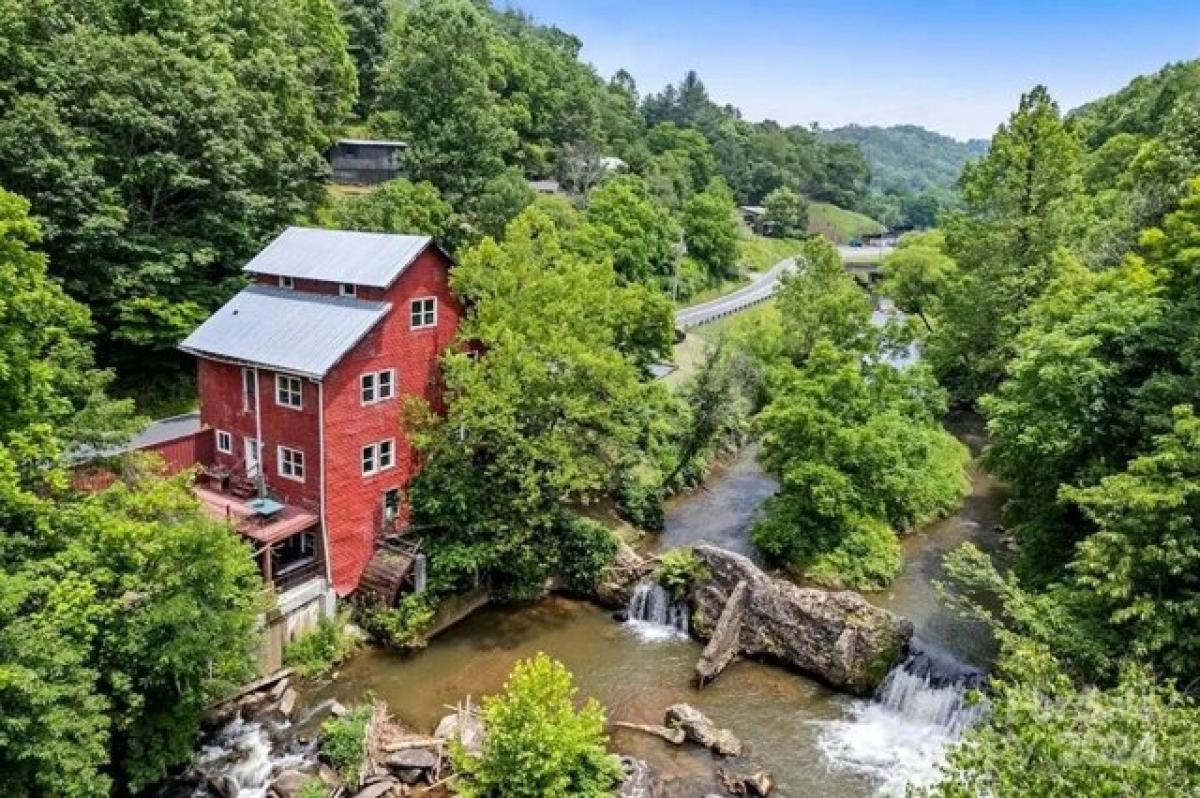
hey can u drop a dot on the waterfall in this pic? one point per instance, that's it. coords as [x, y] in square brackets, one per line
[901, 735]
[654, 614]
[243, 753]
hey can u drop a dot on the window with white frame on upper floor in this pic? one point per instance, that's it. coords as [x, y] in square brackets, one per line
[224, 442]
[378, 456]
[423, 313]
[289, 391]
[376, 386]
[286, 282]
[348, 289]
[291, 463]
[386, 380]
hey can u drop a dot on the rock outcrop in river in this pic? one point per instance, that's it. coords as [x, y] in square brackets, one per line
[836, 636]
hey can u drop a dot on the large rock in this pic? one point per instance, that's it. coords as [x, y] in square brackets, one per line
[836, 636]
[289, 783]
[640, 780]
[466, 728]
[700, 729]
[615, 585]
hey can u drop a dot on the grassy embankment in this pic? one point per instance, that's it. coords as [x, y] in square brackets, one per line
[838, 224]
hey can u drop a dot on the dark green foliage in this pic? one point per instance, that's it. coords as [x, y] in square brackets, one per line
[710, 231]
[435, 93]
[397, 206]
[550, 415]
[586, 549]
[1022, 202]
[625, 224]
[162, 143]
[787, 213]
[366, 23]
[403, 626]
[538, 744]
[344, 742]
[678, 570]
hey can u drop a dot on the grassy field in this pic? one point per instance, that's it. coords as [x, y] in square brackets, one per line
[838, 224]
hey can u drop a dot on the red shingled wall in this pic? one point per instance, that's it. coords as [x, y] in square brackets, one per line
[354, 503]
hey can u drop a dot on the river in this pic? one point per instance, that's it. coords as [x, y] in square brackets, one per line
[814, 740]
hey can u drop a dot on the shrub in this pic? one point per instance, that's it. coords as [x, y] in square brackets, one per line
[402, 626]
[640, 497]
[318, 651]
[867, 558]
[538, 745]
[586, 548]
[313, 788]
[344, 743]
[678, 570]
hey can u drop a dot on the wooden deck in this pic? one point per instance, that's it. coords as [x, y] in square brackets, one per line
[287, 522]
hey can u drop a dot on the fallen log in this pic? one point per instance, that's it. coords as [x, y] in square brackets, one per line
[671, 735]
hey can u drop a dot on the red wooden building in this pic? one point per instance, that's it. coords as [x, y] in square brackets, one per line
[302, 382]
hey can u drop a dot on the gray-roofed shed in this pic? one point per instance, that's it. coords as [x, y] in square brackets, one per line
[290, 331]
[338, 256]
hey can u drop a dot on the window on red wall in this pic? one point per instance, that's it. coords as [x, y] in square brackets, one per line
[423, 313]
[289, 391]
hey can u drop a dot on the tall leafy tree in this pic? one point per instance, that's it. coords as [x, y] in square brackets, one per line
[366, 23]
[548, 415]
[786, 213]
[710, 230]
[435, 91]
[397, 206]
[1022, 202]
[624, 223]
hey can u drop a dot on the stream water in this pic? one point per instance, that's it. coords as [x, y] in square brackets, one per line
[814, 740]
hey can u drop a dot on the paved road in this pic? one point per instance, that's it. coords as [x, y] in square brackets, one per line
[759, 290]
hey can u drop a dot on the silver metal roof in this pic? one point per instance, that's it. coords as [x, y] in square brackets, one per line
[286, 330]
[338, 256]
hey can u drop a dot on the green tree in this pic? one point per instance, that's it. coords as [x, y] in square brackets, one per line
[1142, 564]
[819, 301]
[710, 230]
[859, 452]
[1045, 735]
[48, 382]
[435, 92]
[397, 206]
[499, 202]
[538, 744]
[625, 224]
[916, 274]
[550, 413]
[153, 608]
[787, 213]
[1022, 202]
[366, 23]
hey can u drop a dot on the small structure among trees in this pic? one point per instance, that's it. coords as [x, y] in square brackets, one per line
[366, 161]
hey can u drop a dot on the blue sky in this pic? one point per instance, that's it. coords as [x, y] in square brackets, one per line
[955, 67]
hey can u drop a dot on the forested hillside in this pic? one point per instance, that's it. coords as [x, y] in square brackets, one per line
[914, 171]
[910, 158]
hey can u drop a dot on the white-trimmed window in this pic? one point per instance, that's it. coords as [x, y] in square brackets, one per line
[377, 386]
[291, 463]
[289, 391]
[286, 282]
[423, 313]
[224, 442]
[387, 454]
[379, 456]
[348, 289]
